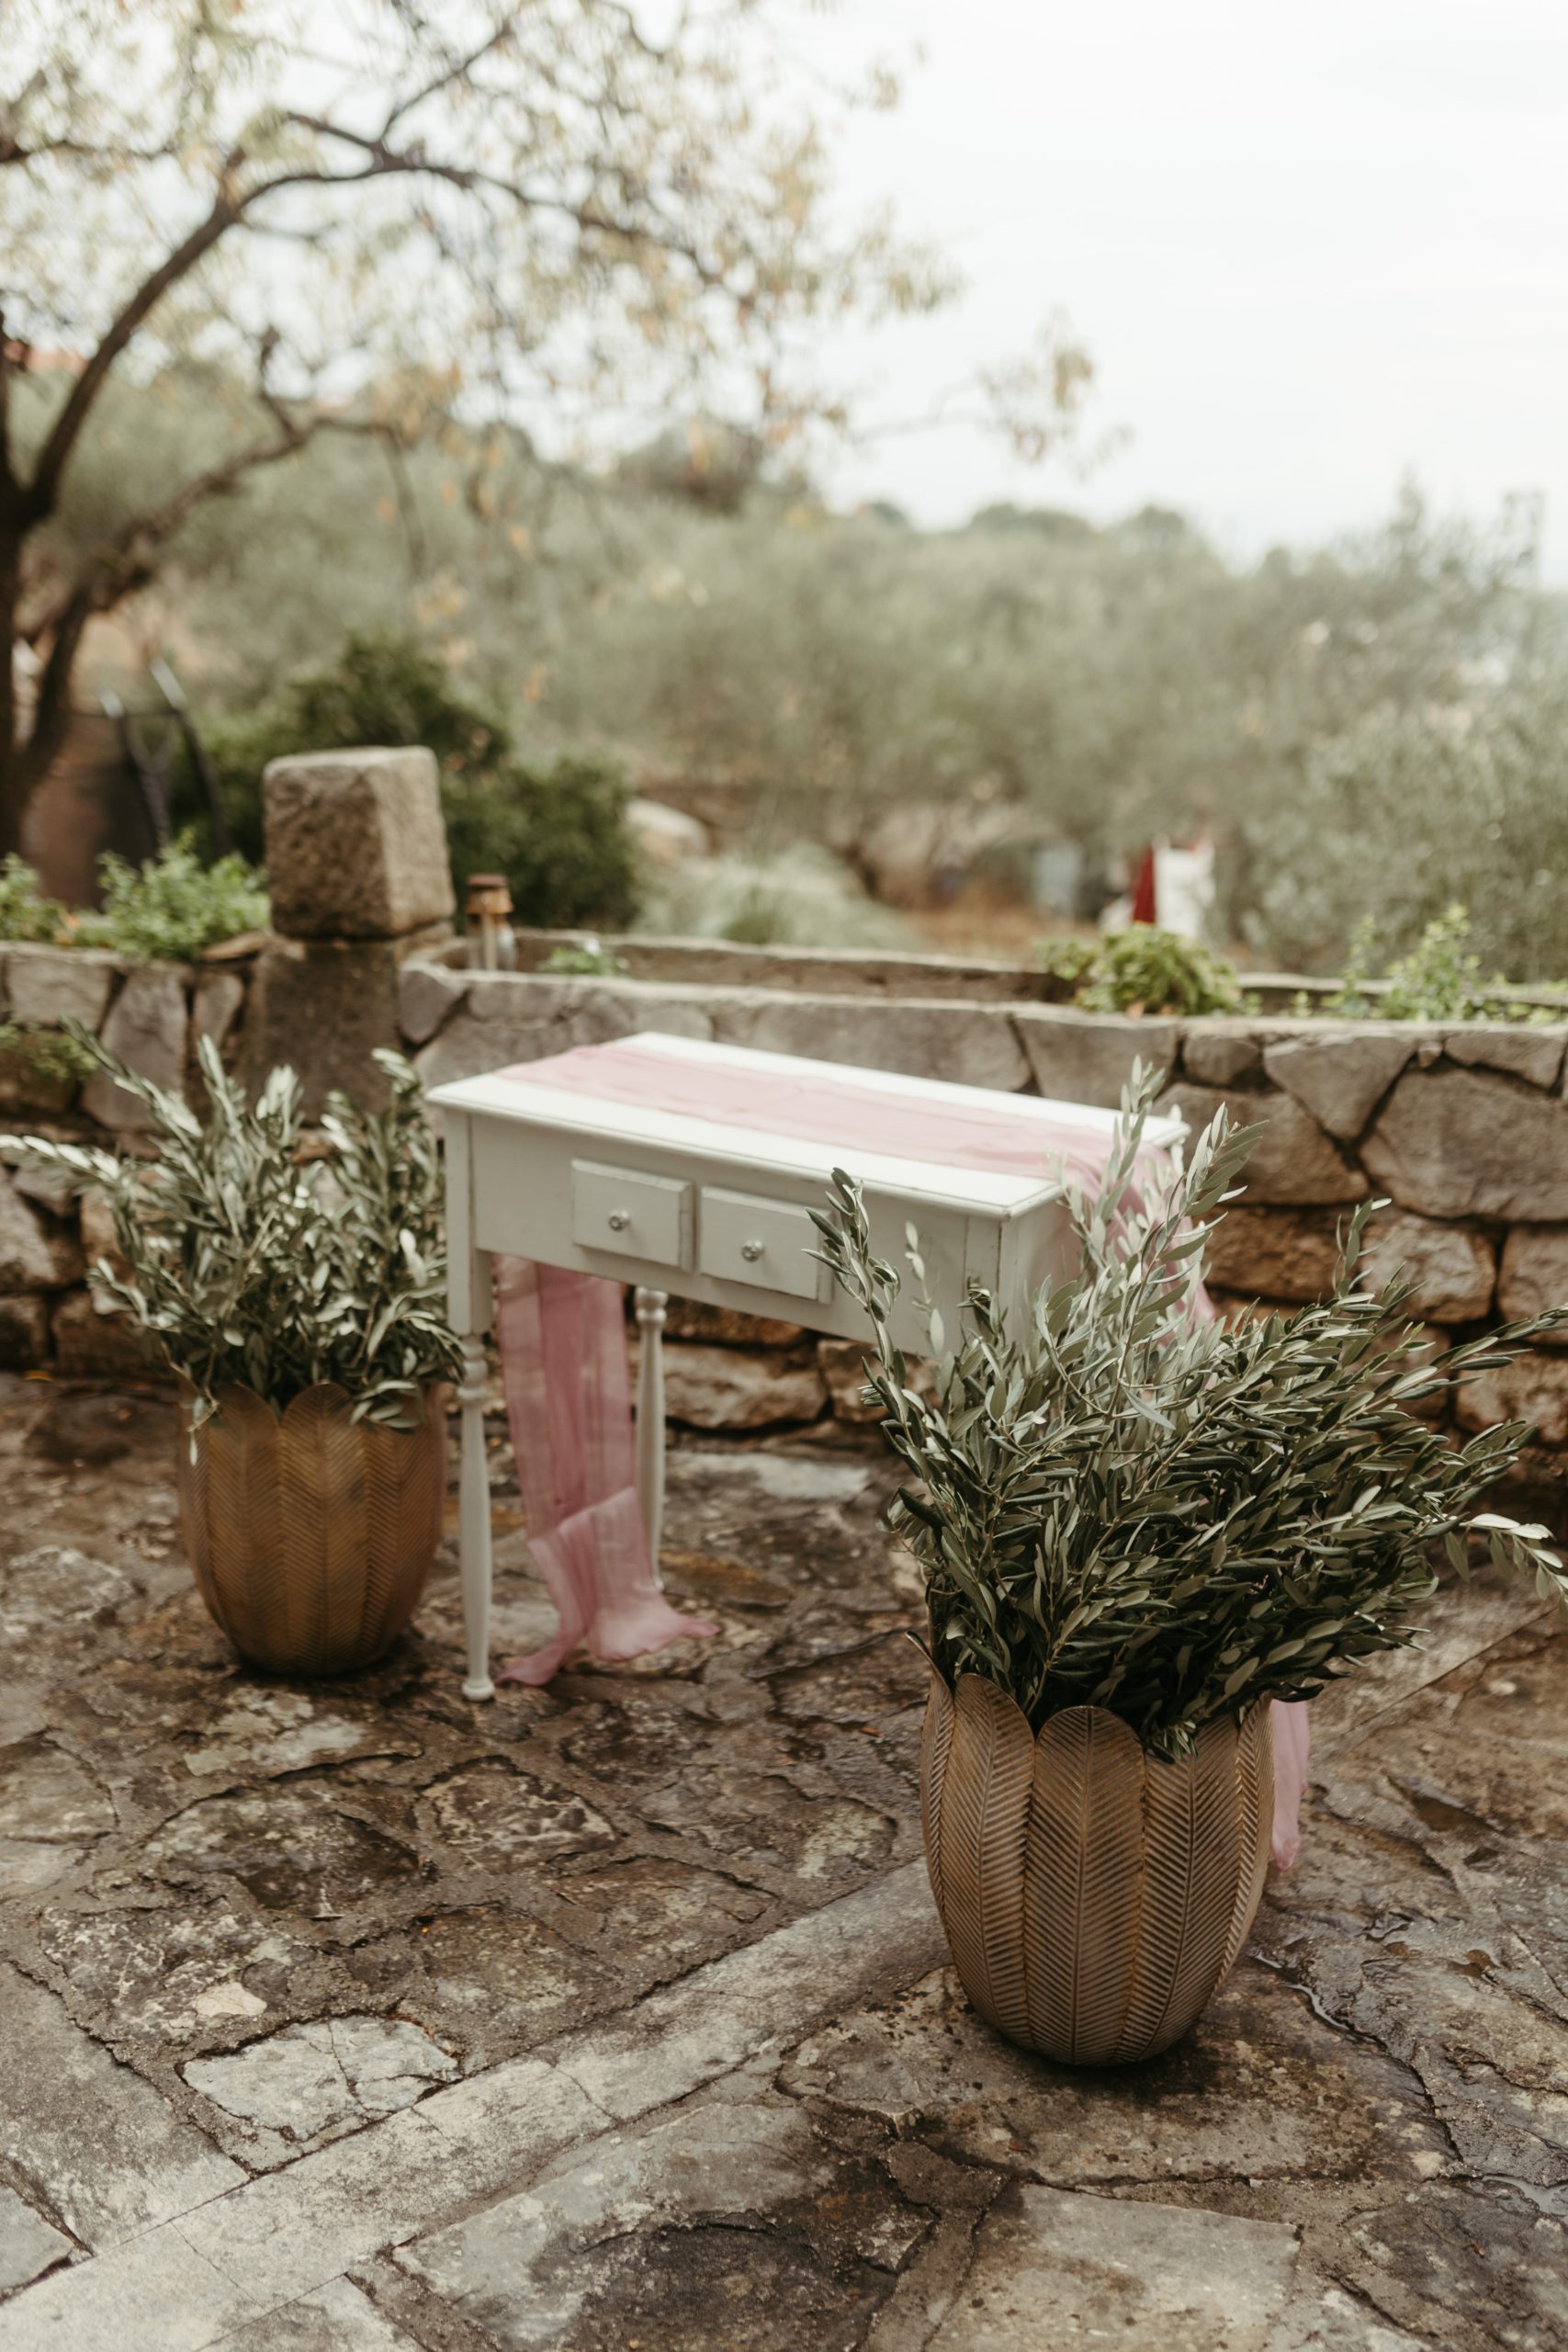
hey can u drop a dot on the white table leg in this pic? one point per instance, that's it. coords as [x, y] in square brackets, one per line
[651, 1306]
[473, 1520]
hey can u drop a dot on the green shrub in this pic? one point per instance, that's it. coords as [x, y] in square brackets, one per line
[51, 1055]
[172, 907]
[386, 688]
[801, 896]
[556, 832]
[24, 913]
[1399, 814]
[1141, 970]
[591, 959]
[1439, 981]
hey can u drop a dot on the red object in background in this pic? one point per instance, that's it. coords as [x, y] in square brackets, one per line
[1143, 909]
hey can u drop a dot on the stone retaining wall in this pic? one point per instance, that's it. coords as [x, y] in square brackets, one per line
[153, 1015]
[1463, 1128]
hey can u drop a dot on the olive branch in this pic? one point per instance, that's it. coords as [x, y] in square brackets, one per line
[1123, 1505]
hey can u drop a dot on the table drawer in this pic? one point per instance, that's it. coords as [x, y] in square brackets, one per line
[742, 1238]
[631, 1214]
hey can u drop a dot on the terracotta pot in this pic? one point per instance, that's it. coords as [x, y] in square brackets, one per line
[311, 1535]
[1095, 1896]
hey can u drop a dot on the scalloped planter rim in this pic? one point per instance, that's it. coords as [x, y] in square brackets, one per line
[1095, 1896]
[310, 1534]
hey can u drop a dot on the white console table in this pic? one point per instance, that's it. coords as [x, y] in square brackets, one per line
[718, 1213]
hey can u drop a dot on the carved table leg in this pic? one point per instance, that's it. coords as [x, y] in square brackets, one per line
[473, 1536]
[651, 1306]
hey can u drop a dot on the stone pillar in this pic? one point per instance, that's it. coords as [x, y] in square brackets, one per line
[359, 877]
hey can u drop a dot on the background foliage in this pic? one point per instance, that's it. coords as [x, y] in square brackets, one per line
[1373, 730]
[553, 828]
[370, 221]
[278, 314]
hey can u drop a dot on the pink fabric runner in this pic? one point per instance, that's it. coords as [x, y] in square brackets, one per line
[561, 1339]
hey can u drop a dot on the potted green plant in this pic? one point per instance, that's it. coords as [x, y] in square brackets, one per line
[295, 1287]
[1137, 1528]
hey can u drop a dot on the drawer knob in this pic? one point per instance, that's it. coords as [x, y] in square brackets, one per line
[618, 1220]
[750, 1251]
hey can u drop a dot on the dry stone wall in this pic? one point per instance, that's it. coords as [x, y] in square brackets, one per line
[1463, 1127]
[359, 878]
[152, 1014]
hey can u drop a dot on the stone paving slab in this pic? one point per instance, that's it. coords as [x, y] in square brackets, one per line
[336, 2318]
[28, 2243]
[1145, 2277]
[149, 2294]
[97, 2141]
[665, 1925]
[278, 2237]
[1328, 2320]
[315, 2083]
[757, 1997]
[552, 2266]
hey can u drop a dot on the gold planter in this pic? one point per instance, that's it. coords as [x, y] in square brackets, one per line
[311, 1535]
[1095, 1896]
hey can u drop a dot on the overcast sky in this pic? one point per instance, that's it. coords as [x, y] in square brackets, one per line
[1311, 249]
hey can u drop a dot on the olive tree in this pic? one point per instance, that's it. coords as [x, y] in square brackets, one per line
[380, 217]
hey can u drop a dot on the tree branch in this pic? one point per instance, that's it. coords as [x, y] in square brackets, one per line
[455, 71]
[230, 207]
[44, 487]
[384, 162]
[51, 707]
[7, 476]
[123, 563]
[13, 151]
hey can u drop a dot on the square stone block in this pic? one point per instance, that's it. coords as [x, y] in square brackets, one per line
[356, 845]
[1088, 1057]
[322, 1006]
[147, 1027]
[1535, 1276]
[46, 986]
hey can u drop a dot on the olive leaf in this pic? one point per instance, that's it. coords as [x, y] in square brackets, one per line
[1124, 1504]
[251, 1257]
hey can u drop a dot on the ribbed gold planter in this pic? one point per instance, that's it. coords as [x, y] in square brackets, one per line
[1095, 1896]
[311, 1535]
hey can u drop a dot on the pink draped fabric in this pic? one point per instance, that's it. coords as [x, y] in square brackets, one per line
[1292, 1741]
[562, 1341]
[1292, 1735]
[561, 1337]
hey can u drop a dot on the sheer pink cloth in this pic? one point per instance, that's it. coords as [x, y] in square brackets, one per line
[1003, 1134]
[561, 1337]
[562, 1341]
[1292, 1736]
[1293, 1742]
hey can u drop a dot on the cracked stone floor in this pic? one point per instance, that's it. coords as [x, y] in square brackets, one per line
[351, 2016]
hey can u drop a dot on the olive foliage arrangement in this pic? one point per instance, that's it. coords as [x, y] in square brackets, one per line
[1123, 1504]
[252, 1259]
